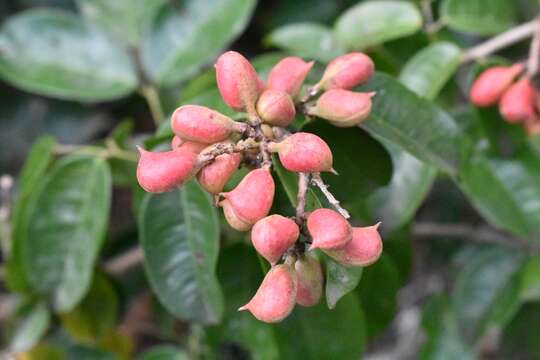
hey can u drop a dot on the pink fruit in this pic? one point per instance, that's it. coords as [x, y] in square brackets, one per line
[193, 146]
[204, 125]
[238, 82]
[347, 71]
[252, 199]
[276, 107]
[488, 88]
[328, 229]
[343, 108]
[363, 250]
[310, 280]
[275, 298]
[289, 74]
[273, 235]
[163, 171]
[232, 217]
[517, 103]
[176, 142]
[215, 175]
[303, 152]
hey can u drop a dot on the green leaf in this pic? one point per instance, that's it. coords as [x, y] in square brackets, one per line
[65, 228]
[520, 336]
[180, 41]
[378, 294]
[430, 69]
[530, 279]
[309, 40]
[126, 20]
[505, 192]
[35, 166]
[414, 124]
[164, 352]
[362, 162]
[32, 324]
[425, 74]
[486, 292]
[240, 282]
[483, 17]
[340, 280]
[54, 53]
[316, 333]
[444, 340]
[374, 22]
[179, 233]
[96, 315]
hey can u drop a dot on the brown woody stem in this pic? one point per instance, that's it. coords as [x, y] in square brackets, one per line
[318, 181]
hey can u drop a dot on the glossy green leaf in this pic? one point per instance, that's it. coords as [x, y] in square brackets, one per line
[240, 282]
[520, 336]
[182, 40]
[430, 69]
[95, 316]
[340, 280]
[164, 352]
[378, 292]
[374, 22]
[37, 162]
[505, 192]
[486, 292]
[414, 124]
[309, 40]
[54, 53]
[65, 228]
[483, 17]
[32, 324]
[126, 20]
[323, 334]
[179, 233]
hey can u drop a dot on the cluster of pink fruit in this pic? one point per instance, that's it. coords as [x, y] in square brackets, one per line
[519, 101]
[211, 146]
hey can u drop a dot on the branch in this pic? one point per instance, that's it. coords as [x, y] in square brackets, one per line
[479, 234]
[151, 96]
[6, 185]
[501, 41]
[318, 181]
[209, 155]
[303, 182]
[534, 52]
[125, 261]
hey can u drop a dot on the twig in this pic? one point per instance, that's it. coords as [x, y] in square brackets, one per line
[501, 41]
[107, 152]
[6, 185]
[151, 96]
[125, 261]
[208, 156]
[534, 53]
[479, 234]
[431, 26]
[303, 182]
[318, 181]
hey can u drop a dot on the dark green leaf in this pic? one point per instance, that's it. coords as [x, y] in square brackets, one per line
[505, 192]
[316, 333]
[429, 70]
[32, 325]
[179, 233]
[309, 40]
[56, 54]
[126, 20]
[65, 228]
[483, 17]
[181, 41]
[530, 279]
[340, 280]
[240, 282]
[414, 124]
[374, 22]
[164, 352]
[363, 163]
[378, 291]
[39, 159]
[486, 292]
[520, 337]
